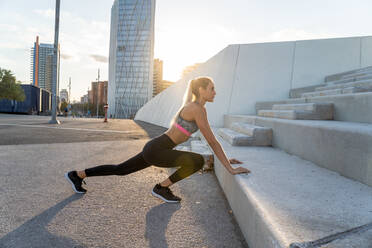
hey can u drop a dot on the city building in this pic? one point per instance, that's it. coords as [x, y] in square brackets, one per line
[63, 95]
[163, 85]
[158, 76]
[84, 99]
[90, 96]
[131, 56]
[189, 69]
[98, 89]
[42, 65]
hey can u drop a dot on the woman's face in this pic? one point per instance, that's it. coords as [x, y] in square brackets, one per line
[209, 93]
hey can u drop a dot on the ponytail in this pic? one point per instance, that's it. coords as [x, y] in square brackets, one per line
[192, 92]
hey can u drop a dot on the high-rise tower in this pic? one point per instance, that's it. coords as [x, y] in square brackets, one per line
[42, 64]
[131, 56]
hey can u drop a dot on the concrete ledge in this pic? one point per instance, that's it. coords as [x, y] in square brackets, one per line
[323, 93]
[358, 83]
[262, 136]
[322, 114]
[235, 138]
[283, 114]
[343, 147]
[297, 92]
[183, 148]
[286, 200]
[338, 91]
[348, 74]
[203, 149]
[347, 107]
[313, 107]
[348, 80]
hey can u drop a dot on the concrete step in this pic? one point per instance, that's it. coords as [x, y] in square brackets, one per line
[259, 136]
[314, 107]
[202, 148]
[284, 114]
[262, 136]
[347, 107]
[183, 148]
[349, 74]
[362, 84]
[235, 138]
[347, 90]
[359, 74]
[297, 92]
[348, 80]
[343, 147]
[289, 202]
[321, 113]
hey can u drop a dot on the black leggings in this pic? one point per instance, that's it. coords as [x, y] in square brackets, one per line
[159, 152]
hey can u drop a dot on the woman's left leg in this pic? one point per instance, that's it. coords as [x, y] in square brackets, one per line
[131, 165]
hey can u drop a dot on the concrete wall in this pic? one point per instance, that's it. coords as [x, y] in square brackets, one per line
[263, 71]
[315, 59]
[247, 73]
[366, 51]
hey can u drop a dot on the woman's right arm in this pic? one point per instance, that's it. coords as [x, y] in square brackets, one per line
[217, 148]
[202, 122]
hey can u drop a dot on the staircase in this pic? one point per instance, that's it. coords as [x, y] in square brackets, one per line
[311, 162]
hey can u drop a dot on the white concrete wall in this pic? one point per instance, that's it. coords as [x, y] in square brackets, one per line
[366, 51]
[247, 73]
[315, 59]
[263, 71]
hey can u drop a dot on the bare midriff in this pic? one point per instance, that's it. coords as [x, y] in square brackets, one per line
[176, 135]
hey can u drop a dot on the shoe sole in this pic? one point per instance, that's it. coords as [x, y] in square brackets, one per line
[73, 185]
[162, 198]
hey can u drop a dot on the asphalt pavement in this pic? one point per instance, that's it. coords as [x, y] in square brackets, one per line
[38, 207]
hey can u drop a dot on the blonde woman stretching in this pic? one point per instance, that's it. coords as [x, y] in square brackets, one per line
[159, 150]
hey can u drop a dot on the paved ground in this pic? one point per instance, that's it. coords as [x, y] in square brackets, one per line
[39, 209]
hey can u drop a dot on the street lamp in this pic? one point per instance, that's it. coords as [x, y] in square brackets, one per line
[97, 92]
[55, 71]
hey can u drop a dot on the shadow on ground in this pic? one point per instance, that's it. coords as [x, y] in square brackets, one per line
[29, 133]
[157, 219]
[34, 233]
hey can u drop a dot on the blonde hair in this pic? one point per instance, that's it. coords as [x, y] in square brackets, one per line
[192, 92]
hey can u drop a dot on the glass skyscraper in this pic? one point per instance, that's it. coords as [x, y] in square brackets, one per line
[131, 56]
[42, 65]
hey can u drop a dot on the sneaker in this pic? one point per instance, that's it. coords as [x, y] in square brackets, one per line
[76, 181]
[165, 194]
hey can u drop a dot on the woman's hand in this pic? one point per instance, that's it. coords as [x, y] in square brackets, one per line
[234, 161]
[240, 170]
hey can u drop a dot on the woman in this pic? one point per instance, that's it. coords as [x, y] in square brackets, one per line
[159, 150]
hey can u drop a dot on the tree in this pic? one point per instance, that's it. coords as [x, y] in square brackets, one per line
[9, 88]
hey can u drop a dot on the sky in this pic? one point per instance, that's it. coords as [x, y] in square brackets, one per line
[186, 32]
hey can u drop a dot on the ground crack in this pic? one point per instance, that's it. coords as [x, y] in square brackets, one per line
[330, 238]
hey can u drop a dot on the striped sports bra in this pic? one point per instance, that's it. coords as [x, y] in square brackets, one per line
[187, 127]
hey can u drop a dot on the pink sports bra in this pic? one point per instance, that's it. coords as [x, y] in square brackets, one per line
[187, 127]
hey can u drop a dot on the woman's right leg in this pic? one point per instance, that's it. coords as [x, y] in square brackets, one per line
[131, 165]
[188, 162]
[159, 152]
